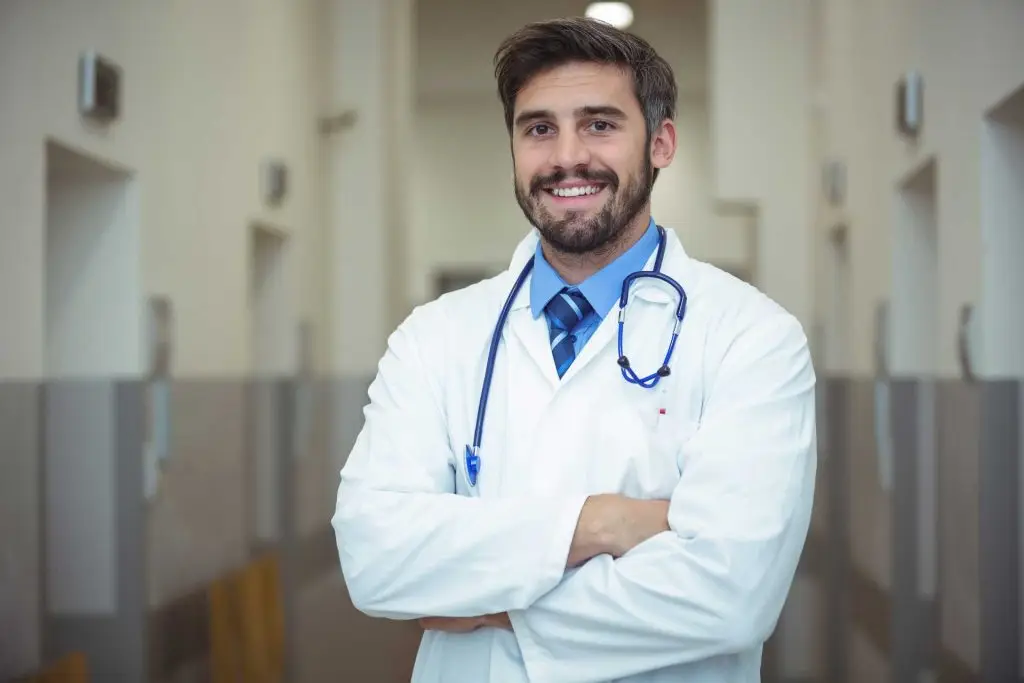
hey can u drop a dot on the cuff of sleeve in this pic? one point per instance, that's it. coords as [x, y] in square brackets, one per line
[535, 656]
[555, 556]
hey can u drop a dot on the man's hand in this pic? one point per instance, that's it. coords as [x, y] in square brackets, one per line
[613, 524]
[466, 624]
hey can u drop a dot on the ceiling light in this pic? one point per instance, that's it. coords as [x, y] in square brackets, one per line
[618, 14]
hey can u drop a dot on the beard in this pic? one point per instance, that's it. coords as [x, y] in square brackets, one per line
[576, 232]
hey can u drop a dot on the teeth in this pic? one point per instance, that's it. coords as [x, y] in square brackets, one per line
[575, 191]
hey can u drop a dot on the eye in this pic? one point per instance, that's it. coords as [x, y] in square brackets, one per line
[539, 129]
[602, 126]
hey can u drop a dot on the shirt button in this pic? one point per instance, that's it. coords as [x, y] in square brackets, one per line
[572, 338]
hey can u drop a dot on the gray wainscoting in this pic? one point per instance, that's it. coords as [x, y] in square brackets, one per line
[912, 569]
[20, 529]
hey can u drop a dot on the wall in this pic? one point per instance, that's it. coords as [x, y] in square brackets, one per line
[208, 92]
[969, 56]
[759, 96]
[928, 492]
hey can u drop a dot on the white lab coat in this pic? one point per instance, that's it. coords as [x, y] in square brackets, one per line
[734, 450]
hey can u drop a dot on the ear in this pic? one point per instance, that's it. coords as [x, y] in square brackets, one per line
[663, 144]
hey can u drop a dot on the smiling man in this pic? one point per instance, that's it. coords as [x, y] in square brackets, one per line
[599, 525]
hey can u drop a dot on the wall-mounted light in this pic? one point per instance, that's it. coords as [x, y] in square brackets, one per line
[618, 14]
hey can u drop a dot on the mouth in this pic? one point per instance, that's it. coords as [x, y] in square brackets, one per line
[575, 194]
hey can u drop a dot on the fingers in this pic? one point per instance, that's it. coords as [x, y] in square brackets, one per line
[465, 624]
[451, 624]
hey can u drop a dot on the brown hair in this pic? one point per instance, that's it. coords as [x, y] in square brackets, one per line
[541, 46]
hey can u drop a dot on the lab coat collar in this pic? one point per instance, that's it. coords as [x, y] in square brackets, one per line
[676, 264]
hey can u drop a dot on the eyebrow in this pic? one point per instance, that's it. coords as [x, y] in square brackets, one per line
[607, 111]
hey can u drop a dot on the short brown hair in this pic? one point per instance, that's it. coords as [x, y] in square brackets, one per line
[541, 46]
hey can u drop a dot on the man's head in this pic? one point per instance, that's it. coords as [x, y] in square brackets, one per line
[589, 111]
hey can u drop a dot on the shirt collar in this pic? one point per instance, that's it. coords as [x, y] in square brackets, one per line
[603, 288]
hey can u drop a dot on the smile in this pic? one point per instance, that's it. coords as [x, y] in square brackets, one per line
[577, 191]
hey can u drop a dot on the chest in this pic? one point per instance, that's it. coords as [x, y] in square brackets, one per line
[590, 432]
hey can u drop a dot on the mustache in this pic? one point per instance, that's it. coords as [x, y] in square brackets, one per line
[607, 177]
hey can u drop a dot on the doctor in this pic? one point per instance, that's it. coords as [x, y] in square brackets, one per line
[592, 519]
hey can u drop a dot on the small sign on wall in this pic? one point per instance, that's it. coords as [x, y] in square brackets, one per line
[99, 87]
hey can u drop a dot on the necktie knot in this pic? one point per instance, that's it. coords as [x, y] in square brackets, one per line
[567, 308]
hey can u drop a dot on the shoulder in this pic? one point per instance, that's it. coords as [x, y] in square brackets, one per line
[453, 320]
[745, 327]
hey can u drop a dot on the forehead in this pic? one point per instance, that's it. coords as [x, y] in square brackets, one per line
[570, 86]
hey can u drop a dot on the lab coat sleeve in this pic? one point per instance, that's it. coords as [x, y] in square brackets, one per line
[716, 583]
[409, 546]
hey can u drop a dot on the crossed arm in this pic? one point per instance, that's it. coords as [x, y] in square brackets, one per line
[594, 588]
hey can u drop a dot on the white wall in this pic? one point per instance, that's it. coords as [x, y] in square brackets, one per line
[466, 214]
[760, 78]
[209, 90]
[970, 55]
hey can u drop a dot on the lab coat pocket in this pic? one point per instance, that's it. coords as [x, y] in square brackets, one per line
[640, 447]
[656, 473]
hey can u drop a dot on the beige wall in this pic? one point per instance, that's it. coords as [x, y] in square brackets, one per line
[209, 90]
[760, 136]
[970, 55]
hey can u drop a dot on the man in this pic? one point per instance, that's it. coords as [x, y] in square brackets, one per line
[614, 531]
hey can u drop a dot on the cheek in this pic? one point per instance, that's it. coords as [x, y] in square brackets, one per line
[623, 157]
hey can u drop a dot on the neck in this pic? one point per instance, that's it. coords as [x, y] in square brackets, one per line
[575, 268]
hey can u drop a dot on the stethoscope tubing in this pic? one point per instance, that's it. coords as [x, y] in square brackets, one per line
[473, 452]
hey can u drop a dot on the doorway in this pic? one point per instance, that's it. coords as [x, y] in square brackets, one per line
[270, 333]
[93, 341]
[915, 275]
[1002, 224]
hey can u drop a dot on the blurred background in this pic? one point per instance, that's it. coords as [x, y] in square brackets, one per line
[212, 214]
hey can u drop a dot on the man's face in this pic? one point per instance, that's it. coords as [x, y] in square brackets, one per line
[583, 167]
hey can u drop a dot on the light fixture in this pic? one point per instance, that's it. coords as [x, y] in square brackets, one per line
[618, 14]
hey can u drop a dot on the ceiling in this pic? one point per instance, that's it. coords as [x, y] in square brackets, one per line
[456, 40]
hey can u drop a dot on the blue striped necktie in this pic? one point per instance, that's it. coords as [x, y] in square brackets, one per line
[565, 311]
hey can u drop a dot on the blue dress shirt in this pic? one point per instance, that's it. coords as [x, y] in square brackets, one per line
[602, 289]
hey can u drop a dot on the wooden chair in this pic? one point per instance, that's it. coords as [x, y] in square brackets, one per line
[71, 668]
[247, 625]
[269, 568]
[224, 632]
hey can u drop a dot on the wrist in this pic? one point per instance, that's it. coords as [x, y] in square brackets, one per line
[598, 527]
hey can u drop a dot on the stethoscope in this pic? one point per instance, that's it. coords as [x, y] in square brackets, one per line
[473, 452]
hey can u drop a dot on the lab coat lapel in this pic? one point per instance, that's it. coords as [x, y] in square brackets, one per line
[532, 334]
[522, 328]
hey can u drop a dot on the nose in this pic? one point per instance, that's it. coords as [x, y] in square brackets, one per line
[570, 151]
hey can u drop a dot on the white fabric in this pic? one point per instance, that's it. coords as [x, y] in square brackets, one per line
[735, 451]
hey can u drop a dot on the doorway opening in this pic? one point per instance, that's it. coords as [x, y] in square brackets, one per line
[92, 338]
[271, 335]
[271, 327]
[837, 341]
[1002, 225]
[93, 288]
[915, 276]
